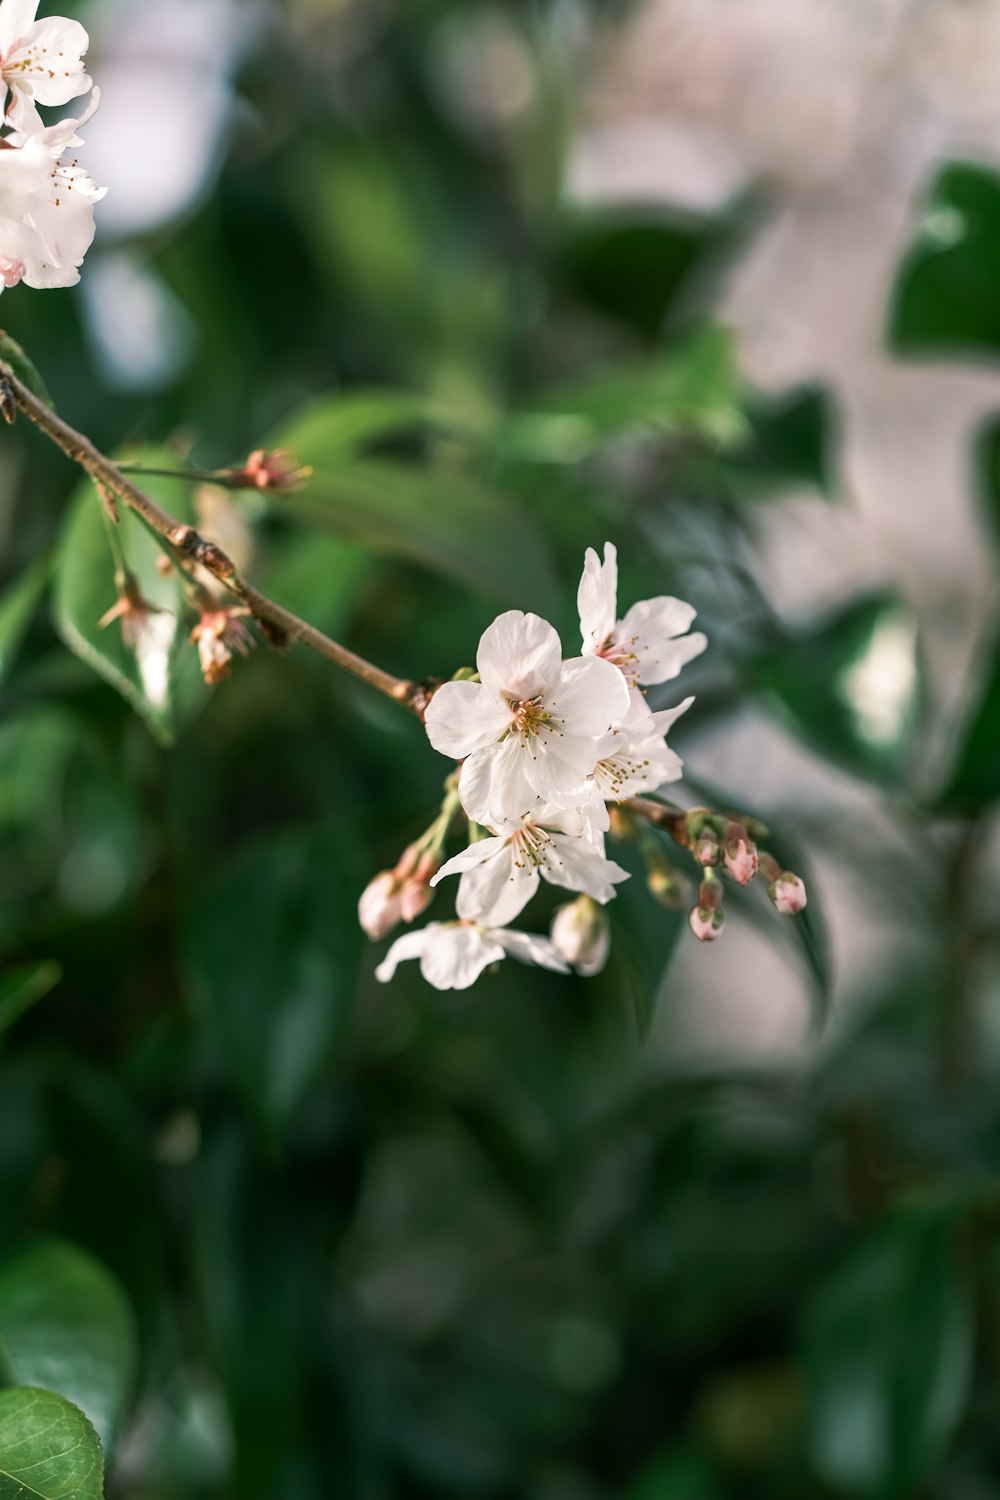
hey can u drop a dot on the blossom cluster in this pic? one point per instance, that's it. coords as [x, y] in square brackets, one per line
[46, 198]
[545, 745]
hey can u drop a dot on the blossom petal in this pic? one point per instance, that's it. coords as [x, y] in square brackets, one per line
[410, 945]
[558, 768]
[457, 954]
[592, 694]
[16, 20]
[597, 597]
[463, 717]
[498, 890]
[493, 785]
[519, 655]
[579, 866]
[666, 718]
[476, 854]
[653, 627]
[49, 60]
[531, 949]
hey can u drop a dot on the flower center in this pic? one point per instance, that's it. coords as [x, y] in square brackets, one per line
[531, 846]
[622, 655]
[530, 716]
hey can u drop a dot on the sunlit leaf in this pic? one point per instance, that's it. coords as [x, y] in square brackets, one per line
[345, 425]
[85, 589]
[850, 685]
[13, 354]
[48, 1449]
[66, 1326]
[947, 298]
[693, 391]
[888, 1342]
[22, 987]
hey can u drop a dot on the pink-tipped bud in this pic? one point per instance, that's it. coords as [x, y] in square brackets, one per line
[788, 893]
[380, 906]
[581, 933]
[707, 849]
[416, 894]
[268, 470]
[740, 854]
[707, 923]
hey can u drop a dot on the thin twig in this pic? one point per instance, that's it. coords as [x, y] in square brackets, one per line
[280, 625]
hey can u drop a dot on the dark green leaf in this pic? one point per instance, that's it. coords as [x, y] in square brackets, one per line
[644, 936]
[22, 987]
[690, 392]
[888, 1341]
[974, 780]
[443, 521]
[16, 609]
[793, 438]
[850, 685]
[345, 425]
[48, 1449]
[66, 1326]
[85, 589]
[24, 369]
[274, 1005]
[986, 474]
[947, 296]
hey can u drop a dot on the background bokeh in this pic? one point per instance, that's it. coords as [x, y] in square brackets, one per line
[715, 282]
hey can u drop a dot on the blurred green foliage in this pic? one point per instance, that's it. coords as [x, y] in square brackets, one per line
[278, 1231]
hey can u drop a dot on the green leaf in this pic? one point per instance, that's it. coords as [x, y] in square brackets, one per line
[16, 609]
[693, 391]
[634, 265]
[22, 987]
[48, 1449]
[974, 780]
[12, 353]
[850, 685]
[66, 1326]
[947, 296]
[986, 474]
[888, 1344]
[792, 443]
[85, 589]
[644, 937]
[274, 1006]
[442, 520]
[346, 425]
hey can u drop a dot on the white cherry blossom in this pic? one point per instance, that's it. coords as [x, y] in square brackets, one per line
[527, 729]
[453, 954]
[650, 644]
[500, 874]
[46, 206]
[41, 62]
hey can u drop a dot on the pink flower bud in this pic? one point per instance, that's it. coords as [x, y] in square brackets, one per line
[581, 934]
[706, 924]
[740, 853]
[707, 850]
[380, 906]
[788, 893]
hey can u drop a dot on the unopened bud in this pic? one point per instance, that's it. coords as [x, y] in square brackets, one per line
[581, 933]
[707, 849]
[740, 853]
[706, 923]
[416, 894]
[380, 906]
[788, 893]
[269, 470]
[667, 887]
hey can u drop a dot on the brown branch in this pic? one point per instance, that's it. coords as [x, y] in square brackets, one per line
[279, 625]
[672, 820]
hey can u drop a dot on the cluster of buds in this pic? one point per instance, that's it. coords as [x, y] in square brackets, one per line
[403, 893]
[730, 845]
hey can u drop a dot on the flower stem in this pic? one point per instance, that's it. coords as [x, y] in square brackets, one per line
[281, 625]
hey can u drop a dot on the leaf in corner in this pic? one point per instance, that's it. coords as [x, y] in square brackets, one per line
[48, 1449]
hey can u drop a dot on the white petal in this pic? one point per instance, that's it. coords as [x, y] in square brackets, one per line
[492, 784]
[49, 61]
[476, 854]
[559, 766]
[577, 865]
[666, 718]
[597, 597]
[410, 945]
[653, 627]
[519, 655]
[458, 955]
[531, 949]
[497, 891]
[591, 696]
[16, 20]
[463, 717]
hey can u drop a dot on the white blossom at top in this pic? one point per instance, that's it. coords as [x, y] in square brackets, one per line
[500, 874]
[650, 644]
[527, 729]
[453, 954]
[41, 62]
[46, 206]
